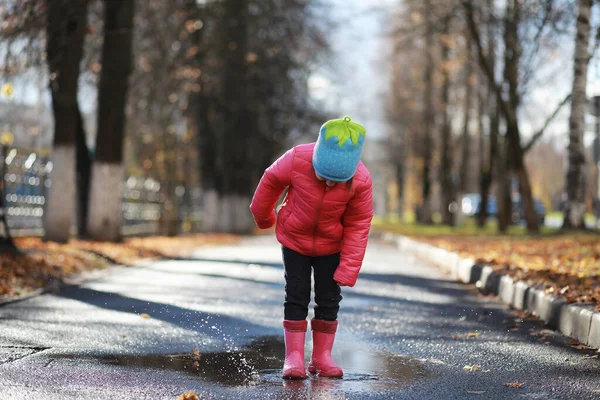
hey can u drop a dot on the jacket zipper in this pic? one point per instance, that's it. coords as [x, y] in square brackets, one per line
[317, 222]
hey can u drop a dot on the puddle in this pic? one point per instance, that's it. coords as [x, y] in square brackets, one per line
[260, 364]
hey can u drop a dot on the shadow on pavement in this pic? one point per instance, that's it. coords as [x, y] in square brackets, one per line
[185, 318]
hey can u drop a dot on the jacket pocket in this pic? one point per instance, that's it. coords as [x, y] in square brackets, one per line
[285, 215]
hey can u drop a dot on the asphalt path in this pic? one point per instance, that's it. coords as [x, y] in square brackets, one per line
[212, 324]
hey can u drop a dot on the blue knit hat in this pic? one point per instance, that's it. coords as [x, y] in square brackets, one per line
[338, 149]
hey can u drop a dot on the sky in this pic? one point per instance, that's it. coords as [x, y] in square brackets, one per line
[355, 83]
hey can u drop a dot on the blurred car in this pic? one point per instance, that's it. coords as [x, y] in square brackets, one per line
[471, 206]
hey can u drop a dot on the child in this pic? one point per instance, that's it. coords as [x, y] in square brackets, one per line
[323, 223]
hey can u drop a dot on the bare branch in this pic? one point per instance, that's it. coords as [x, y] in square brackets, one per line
[548, 121]
[484, 60]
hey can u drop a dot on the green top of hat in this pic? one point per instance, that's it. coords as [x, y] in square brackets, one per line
[344, 129]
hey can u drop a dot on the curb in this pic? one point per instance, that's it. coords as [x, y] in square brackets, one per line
[580, 322]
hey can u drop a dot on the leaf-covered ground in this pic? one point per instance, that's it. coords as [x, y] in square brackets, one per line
[40, 262]
[565, 265]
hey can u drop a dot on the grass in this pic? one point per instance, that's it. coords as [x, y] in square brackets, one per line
[469, 228]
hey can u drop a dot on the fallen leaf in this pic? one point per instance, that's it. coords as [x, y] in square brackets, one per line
[145, 316]
[473, 334]
[514, 385]
[188, 396]
[473, 368]
[475, 391]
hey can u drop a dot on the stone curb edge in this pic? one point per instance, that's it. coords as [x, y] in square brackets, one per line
[580, 321]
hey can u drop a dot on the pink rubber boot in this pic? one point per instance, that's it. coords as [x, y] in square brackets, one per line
[294, 334]
[323, 337]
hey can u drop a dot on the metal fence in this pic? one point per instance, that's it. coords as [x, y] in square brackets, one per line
[27, 179]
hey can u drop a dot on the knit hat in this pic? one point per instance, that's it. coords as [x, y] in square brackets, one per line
[338, 149]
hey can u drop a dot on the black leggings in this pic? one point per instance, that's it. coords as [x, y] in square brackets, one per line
[297, 286]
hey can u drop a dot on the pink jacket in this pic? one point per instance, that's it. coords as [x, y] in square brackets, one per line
[314, 219]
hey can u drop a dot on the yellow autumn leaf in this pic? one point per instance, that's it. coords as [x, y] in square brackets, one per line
[188, 396]
[7, 90]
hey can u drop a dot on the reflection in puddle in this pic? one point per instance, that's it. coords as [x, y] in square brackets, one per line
[260, 364]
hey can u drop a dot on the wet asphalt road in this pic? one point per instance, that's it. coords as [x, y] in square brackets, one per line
[406, 332]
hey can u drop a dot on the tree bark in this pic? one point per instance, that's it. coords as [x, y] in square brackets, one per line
[425, 215]
[487, 169]
[504, 190]
[84, 170]
[466, 134]
[234, 145]
[574, 213]
[64, 46]
[447, 186]
[107, 173]
[512, 56]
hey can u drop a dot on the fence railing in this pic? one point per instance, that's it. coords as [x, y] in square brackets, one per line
[27, 179]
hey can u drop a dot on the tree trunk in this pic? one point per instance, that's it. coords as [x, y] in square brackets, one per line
[574, 213]
[238, 123]
[425, 215]
[503, 190]
[169, 219]
[512, 56]
[466, 135]
[105, 217]
[447, 186]
[84, 169]
[64, 46]
[210, 172]
[487, 169]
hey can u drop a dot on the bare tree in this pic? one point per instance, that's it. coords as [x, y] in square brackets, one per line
[66, 22]
[107, 172]
[253, 98]
[487, 167]
[465, 155]
[446, 149]
[575, 208]
[425, 216]
[509, 107]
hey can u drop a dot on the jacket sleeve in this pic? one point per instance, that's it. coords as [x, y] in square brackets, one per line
[272, 184]
[357, 224]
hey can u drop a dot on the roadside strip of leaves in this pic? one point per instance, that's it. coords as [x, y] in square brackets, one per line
[39, 262]
[566, 266]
